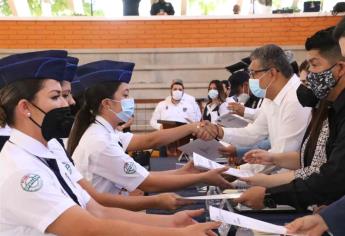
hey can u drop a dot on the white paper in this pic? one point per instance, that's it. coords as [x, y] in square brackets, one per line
[230, 120]
[218, 214]
[208, 149]
[215, 197]
[204, 163]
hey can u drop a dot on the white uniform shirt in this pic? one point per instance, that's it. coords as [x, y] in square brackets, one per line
[30, 194]
[249, 113]
[283, 121]
[6, 131]
[186, 109]
[101, 159]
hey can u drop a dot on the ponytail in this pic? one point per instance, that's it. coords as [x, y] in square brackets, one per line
[89, 110]
[83, 119]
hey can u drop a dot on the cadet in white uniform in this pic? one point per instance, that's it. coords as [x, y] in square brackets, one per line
[178, 106]
[99, 150]
[39, 192]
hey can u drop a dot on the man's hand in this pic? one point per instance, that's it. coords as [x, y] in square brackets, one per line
[171, 201]
[253, 198]
[259, 156]
[236, 108]
[228, 151]
[312, 225]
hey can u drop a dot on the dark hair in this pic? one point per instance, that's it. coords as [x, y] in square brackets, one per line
[237, 80]
[319, 115]
[273, 56]
[219, 86]
[226, 83]
[294, 67]
[304, 66]
[339, 30]
[11, 94]
[90, 108]
[324, 42]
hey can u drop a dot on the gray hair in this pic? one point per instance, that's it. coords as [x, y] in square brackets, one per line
[272, 55]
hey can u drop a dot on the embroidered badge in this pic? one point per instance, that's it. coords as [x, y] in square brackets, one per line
[68, 167]
[130, 168]
[31, 182]
[184, 109]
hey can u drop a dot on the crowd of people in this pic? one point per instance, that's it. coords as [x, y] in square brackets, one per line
[293, 143]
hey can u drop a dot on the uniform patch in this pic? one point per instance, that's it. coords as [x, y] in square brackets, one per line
[68, 167]
[31, 182]
[184, 109]
[130, 168]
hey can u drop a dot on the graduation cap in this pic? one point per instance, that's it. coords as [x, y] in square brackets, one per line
[71, 68]
[104, 71]
[31, 55]
[36, 68]
[241, 65]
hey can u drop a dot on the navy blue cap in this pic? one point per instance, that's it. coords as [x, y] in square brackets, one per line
[31, 55]
[71, 68]
[36, 68]
[104, 71]
[76, 88]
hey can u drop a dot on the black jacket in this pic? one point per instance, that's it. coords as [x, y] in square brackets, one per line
[328, 185]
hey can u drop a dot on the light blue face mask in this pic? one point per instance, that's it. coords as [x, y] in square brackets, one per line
[213, 93]
[127, 106]
[255, 88]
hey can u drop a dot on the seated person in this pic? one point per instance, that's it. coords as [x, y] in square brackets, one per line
[177, 107]
[99, 149]
[216, 98]
[326, 79]
[281, 119]
[161, 7]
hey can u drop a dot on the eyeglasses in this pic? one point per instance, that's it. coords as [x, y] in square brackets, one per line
[252, 73]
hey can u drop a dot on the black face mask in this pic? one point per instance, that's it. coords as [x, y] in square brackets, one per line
[306, 97]
[74, 109]
[57, 123]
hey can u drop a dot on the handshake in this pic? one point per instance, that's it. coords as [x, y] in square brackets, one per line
[206, 131]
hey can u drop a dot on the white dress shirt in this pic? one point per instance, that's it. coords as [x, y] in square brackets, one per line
[283, 121]
[184, 111]
[31, 196]
[100, 157]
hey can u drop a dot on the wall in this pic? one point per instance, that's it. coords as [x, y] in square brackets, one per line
[174, 32]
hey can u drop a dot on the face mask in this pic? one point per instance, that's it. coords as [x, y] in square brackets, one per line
[243, 98]
[56, 123]
[74, 109]
[177, 95]
[255, 88]
[213, 93]
[306, 97]
[127, 106]
[321, 83]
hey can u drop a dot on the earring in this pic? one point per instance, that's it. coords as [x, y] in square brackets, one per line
[28, 114]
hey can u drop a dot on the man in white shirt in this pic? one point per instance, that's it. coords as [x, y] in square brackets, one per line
[179, 106]
[282, 119]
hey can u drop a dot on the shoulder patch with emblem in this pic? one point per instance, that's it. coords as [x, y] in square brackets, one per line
[68, 167]
[130, 168]
[31, 182]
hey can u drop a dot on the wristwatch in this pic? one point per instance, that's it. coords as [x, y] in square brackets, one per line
[269, 201]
